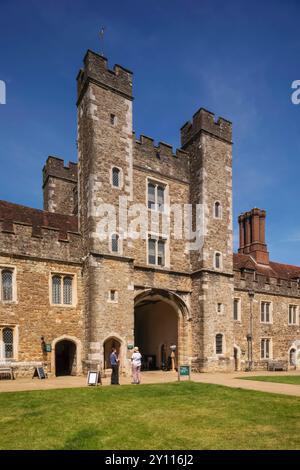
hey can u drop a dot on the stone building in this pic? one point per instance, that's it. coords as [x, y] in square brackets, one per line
[76, 278]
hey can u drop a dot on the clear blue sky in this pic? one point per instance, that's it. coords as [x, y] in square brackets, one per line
[235, 58]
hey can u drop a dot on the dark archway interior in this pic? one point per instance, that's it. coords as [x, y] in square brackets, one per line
[155, 330]
[65, 358]
[108, 345]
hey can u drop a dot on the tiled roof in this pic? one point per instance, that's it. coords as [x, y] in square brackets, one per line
[15, 213]
[277, 270]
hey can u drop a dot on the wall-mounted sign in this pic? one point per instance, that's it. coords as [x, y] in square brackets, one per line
[130, 346]
[48, 348]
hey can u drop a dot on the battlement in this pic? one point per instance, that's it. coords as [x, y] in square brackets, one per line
[204, 120]
[56, 167]
[162, 150]
[262, 283]
[25, 231]
[161, 158]
[15, 214]
[96, 70]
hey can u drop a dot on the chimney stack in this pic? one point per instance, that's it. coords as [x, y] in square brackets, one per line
[252, 235]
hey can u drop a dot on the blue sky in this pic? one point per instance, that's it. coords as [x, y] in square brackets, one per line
[235, 58]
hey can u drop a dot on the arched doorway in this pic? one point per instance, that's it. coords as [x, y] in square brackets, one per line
[159, 324]
[107, 347]
[292, 358]
[65, 358]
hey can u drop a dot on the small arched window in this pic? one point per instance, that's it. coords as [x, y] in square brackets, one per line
[218, 260]
[67, 290]
[8, 341]
[56, 290]
[217, 210]
[219, 343]
[115, 243]
[116, 177]
[292, 358]
[7, 285]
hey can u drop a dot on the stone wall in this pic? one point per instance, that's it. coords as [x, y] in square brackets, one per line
[31, 313]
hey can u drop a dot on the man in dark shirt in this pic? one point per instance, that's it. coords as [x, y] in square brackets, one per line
[114, 362]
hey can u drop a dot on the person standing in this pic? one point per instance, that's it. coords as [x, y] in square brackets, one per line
[114, 362]
[136, 363]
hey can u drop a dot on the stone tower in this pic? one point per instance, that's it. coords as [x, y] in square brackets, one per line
[104, 142]
[210, 148]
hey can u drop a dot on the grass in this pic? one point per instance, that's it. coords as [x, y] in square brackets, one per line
[183, 415]
[283, 379]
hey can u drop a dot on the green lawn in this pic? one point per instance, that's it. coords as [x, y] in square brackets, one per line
[182, 415]
[282, 379]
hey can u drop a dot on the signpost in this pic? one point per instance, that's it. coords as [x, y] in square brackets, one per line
[94, 378]
[40, 373]
[184, 371]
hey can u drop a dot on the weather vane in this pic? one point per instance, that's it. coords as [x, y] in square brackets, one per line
[101, 34]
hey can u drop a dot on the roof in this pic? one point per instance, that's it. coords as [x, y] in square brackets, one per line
[15, 213]
[273, 269]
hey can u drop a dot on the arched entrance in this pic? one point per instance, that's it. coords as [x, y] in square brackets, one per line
[159, 323]
[107, 347]
[292, 358]
[65, 358]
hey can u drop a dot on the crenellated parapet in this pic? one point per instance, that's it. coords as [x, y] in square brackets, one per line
[251, 280]
[96, 70]
[60, 186]
[205, 121]
[31, 232]
[56, 167]
[161, 158]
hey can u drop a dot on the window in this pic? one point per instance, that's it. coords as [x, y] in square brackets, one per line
[237, 309]
[219, 308]
[116, 177]
[8, 343]
[113, 119]
[113, 296]
[6, 285]
[56, 290]
[265, 348]
[62, 290]
[67, 283]
[156, 251]
[219, 344]
[265, 312]
[293, 315]
[217, 210]
[115, 243]
[218, 260]
[156, 196]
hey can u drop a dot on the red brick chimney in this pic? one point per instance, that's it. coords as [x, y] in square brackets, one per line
[252, 235]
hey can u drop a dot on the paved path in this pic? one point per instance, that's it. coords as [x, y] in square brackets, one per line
[229, 380]
[233, 380]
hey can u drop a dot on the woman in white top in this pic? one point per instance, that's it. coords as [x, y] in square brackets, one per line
[136, 362]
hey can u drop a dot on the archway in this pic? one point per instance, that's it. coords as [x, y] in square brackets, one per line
[159, 324]
[292, 357]
[65, 358]
[108, 344]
